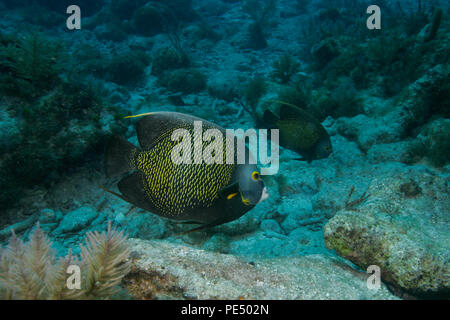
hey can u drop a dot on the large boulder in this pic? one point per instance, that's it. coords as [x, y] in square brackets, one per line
[164, 270]
[403, 227]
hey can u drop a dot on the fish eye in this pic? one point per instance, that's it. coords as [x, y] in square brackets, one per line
[256, 176]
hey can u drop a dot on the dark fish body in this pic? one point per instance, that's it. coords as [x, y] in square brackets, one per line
[192, 192]
[300, 131]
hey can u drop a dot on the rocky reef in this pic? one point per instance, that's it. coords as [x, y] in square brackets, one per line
[164, 270]
[381, 198]
[402, 228]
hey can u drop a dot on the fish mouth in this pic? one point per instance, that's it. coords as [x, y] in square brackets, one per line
[264, 195]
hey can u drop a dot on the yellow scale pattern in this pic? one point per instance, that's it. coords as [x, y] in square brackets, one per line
[175, 188]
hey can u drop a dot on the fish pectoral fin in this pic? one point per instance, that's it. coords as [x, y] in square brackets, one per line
[231, 196]
[229, 191]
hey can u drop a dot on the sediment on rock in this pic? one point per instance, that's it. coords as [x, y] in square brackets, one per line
[164, 270]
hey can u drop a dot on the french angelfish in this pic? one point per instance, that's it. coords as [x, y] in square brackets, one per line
[207, 194]
[299, 131]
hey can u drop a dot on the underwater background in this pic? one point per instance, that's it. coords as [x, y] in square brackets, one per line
[381, 198]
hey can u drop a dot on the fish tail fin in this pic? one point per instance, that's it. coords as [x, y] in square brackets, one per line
[119, 156]
[269, 117]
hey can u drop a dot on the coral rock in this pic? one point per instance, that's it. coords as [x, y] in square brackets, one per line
[163, 270]
[403, 228]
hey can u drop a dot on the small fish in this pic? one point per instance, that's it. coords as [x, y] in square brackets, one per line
[206, 194]
[300, 132]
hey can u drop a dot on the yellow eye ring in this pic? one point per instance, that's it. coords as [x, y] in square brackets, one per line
[256, 176]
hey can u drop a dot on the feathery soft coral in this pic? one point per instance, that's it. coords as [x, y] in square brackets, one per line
[31, 270]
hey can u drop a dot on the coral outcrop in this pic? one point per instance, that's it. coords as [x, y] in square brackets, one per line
[403, 227]
[164, 270]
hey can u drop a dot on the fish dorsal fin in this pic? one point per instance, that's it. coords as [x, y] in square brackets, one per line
[290, 111]
[287, 110]
[153, 125]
